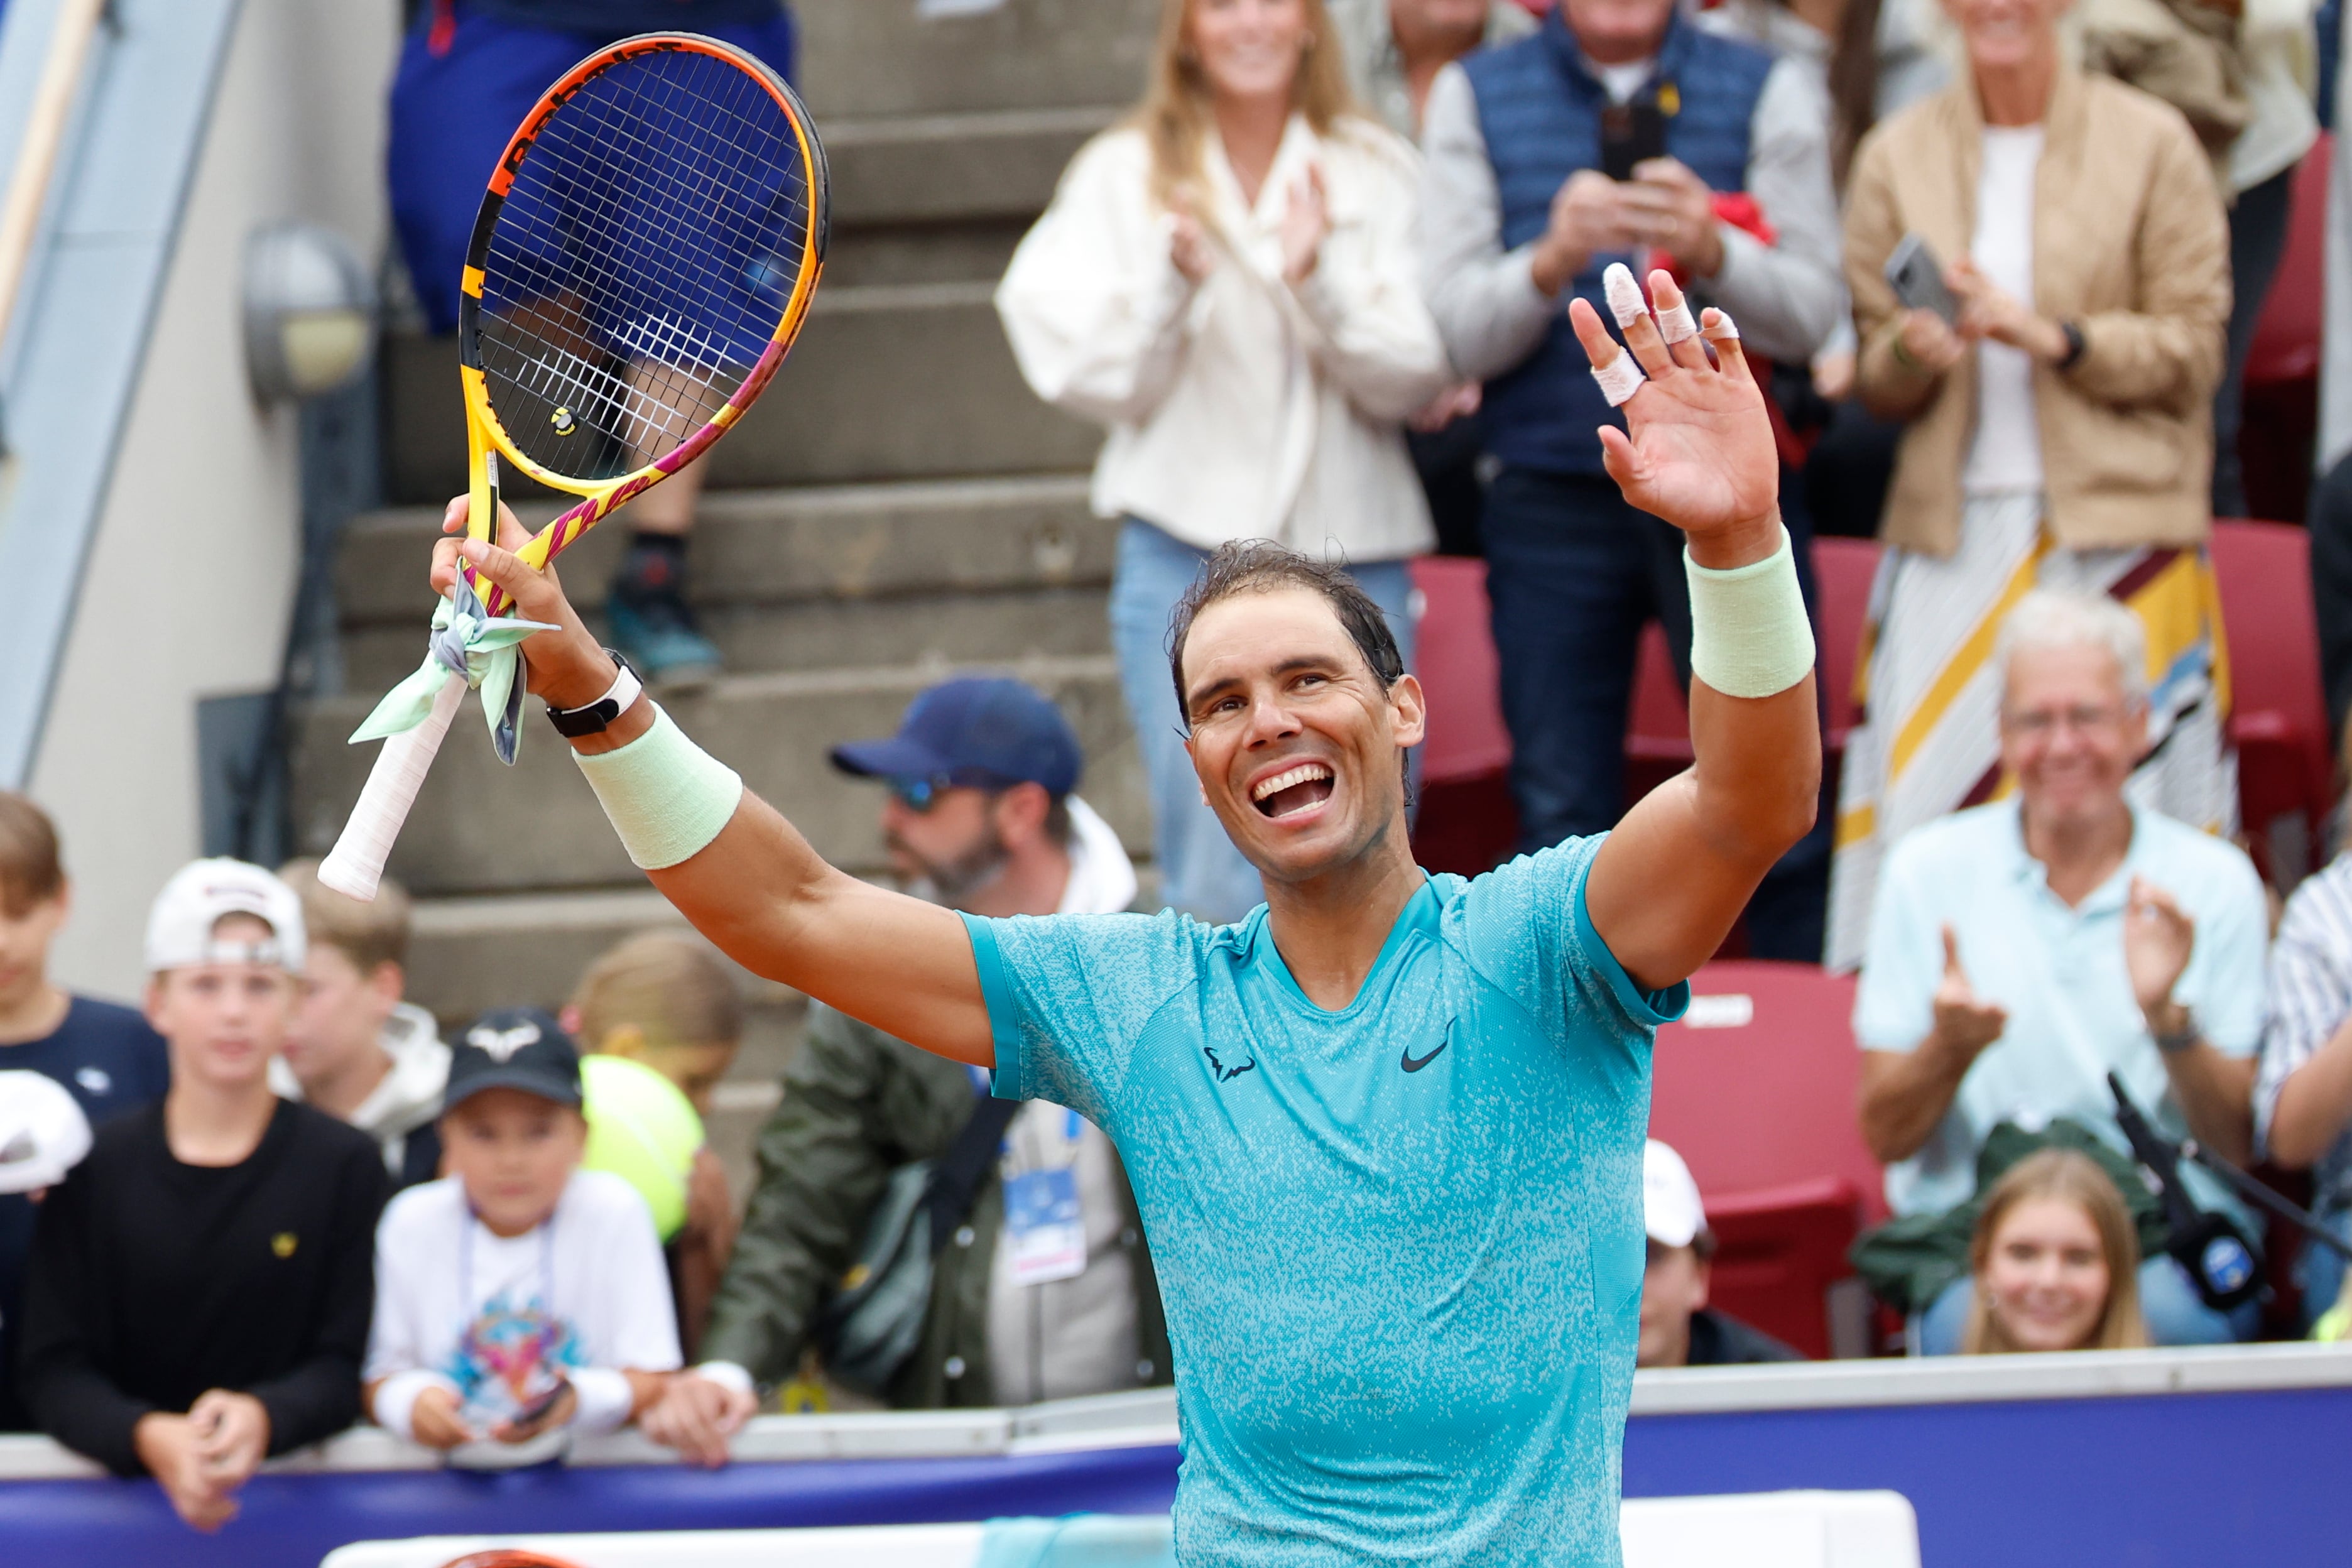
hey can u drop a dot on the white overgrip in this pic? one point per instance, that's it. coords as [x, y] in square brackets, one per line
[355, 864]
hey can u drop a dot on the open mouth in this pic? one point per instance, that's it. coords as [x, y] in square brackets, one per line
[1295, 790]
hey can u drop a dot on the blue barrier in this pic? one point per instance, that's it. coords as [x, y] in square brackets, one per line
[2148, 1459]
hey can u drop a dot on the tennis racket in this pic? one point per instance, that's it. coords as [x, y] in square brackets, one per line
[640, 265]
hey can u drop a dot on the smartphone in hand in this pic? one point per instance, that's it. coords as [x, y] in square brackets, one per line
[1631, 135]
[1917, 279]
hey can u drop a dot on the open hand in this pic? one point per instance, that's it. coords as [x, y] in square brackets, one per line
[2158, 937]
[1306, 225]
[566, 668]
[1962, 1022]
[1697, 449]
[696, 1416]
[1188, 245]
[1989, 310]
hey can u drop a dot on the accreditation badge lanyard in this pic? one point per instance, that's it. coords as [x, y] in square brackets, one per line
[1044, 1223]
[472, 1307]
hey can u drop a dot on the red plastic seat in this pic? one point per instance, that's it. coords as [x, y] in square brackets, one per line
[2287, 332]
[1466, 823]
[2279, 713]
[1755, 1089]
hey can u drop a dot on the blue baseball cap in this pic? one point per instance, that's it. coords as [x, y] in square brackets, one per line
[978, 731]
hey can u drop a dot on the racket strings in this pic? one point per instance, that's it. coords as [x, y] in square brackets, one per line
[643, 258]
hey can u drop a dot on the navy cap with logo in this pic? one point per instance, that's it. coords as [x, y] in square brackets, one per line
[514, 1047]
[976, 731]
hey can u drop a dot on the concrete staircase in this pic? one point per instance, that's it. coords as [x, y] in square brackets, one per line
[899, 505]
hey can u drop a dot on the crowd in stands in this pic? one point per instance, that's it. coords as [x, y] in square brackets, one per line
[1315, 289]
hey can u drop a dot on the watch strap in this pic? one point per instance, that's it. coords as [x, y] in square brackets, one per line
[595, 717]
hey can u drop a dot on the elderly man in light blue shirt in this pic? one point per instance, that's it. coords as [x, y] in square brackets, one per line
[2020, 951]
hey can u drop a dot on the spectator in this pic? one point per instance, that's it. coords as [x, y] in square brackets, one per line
[1678, 1328]
[1516, 218]
[470, 70]
[357, 1051]
[2058, 433]
[198, 1294]
[106, 1056]
[2057, 1261]
[1869, 58]
[1394, 50]
[2303, 1095]
[2277, 51]
[982, 811]
[663, 1004]
[1226, 281]
[2020, 951]
[519, 1300]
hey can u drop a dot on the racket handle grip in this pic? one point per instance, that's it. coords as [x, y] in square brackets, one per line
[355, 864]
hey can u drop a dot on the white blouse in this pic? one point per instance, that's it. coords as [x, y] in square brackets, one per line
[1240, 407]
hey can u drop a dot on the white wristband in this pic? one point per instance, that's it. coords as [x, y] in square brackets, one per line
[726, 1375]
[606, 1399]
[666, 796]
[1620, 379]
[396, 1400]
[1749, 636]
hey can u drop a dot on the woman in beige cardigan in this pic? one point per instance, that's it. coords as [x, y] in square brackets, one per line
[2059, 432]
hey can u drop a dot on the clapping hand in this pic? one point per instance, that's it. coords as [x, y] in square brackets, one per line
[2158, 937]
[1187, 243]
[1697, 449]
[1989, 310]
[1306, 225]
[1962, 1022]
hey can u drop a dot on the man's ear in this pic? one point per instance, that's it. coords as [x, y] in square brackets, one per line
[389, 981]
[1703, 1276]
[152, 999]
[1410, 705]
[1021, 814]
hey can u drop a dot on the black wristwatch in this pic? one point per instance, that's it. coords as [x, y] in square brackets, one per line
[598, 716]
[2074, 345]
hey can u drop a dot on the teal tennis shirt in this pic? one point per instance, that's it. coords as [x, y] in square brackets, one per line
[1399, 1244]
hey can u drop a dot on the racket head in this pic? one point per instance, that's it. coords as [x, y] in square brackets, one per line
[641, 263]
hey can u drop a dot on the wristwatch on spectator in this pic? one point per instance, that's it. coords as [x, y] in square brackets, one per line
[2180, 1036]
[2074, 345]
[596, 716]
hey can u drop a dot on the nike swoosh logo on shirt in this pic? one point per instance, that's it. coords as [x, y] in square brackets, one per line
[1411, 1063]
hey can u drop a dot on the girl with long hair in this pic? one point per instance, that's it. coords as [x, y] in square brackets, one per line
[1226, 282]
[2056, 1262]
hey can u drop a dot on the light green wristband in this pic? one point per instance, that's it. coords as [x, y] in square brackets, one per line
[1749, 637]
[668, 797]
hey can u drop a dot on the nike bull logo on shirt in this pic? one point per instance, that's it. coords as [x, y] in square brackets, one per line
[1430, 1208]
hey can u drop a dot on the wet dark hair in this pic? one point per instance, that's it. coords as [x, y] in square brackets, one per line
[1262, 566]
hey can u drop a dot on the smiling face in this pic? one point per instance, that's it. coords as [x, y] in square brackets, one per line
[1296, 746]
[2046, 1276]
[2007, 34]
[223, 1021]
[2070, 733]
[1249, 48]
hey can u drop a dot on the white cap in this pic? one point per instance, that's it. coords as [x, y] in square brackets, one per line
[180, 926]
[43, 1133]
[1671, 1211]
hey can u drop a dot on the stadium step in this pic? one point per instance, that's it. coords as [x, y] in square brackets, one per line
[886, 57]
[479, 827]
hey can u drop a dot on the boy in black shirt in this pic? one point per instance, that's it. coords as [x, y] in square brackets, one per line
[105, 1056]
[201, 1284]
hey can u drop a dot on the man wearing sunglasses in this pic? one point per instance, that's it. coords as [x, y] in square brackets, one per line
[1044, 1289]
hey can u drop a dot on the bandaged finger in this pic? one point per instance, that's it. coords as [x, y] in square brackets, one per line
[1676, 324]
[1720, 328]
[1623, 294]
[1620, 379]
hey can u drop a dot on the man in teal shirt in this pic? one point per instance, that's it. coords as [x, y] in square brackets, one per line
[1386, 1134]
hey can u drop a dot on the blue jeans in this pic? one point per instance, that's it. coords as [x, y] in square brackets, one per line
[2175, 1313]
[1200, 872]
[2320, 1271]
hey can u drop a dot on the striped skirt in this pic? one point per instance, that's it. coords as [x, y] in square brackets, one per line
[1929, 741]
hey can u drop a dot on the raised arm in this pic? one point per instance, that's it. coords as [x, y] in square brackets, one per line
[1698, 452]
[757, 889]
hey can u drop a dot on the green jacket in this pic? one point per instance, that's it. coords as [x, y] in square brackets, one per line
[857, 1104]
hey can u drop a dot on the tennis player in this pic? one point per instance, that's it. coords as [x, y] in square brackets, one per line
[1386, 1132]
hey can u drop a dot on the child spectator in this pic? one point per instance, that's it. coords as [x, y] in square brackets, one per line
[519, 1299]
[198, 1294]
[357, 1051]
[2056, 1262]
[1678, 1328]
[664, 1001]
[105, 1056]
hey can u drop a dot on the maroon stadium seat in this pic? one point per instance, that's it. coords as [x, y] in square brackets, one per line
[2279, 715]
[1465, 823]
[1755, 1089]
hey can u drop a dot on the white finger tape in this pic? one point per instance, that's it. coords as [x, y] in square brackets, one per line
[1625, 295]
[1675, 323]
[1721, 330]
[1620, 379]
